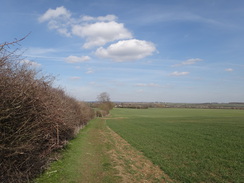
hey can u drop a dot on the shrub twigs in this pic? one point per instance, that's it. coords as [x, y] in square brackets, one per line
[35, 118]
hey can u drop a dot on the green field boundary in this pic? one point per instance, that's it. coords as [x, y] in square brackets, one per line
[190, 145]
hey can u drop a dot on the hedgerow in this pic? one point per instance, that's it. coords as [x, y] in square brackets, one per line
[36, 119]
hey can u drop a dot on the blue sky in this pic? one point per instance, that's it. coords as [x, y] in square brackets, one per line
[147, 50]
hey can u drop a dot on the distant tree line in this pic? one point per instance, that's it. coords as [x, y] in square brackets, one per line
[146, 105]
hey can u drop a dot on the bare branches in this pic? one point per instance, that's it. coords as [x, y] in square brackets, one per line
[13, 42]
[104, 104]
[35, 119]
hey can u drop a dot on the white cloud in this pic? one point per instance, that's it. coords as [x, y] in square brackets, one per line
[89, 71]
[127, 50]
[229, 70]
[58, 19]
[100, 18]
[97, 31]
[87, 18]
[75, 59]
[184, 16]
[75, 78]
[189, 62]
[141, 84]
[64, 31]
[147, 85]
[176, 73]
[41, 51]
[44, 53]
[53, 14]
[192, 61]
[31, 63]
[100, 33]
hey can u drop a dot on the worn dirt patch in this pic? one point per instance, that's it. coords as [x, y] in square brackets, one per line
[130, 164]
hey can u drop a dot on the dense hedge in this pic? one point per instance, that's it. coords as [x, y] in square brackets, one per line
[36, 119]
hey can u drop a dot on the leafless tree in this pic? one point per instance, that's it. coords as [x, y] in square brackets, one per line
[103, 97]
[104, 103]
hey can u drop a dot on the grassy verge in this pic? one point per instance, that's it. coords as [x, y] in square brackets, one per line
[100, 155]
[84, 160]
[190, 145]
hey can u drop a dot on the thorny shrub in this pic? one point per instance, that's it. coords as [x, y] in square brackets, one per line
[36, 119]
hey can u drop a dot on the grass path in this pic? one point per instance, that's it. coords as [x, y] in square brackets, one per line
[97, 155]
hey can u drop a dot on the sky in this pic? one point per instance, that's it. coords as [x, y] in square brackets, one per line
[135, 50]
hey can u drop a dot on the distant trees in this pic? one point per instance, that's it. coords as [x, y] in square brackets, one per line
[103, 97]
[104, 104]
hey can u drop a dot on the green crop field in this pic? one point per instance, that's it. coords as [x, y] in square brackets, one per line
[190, 145]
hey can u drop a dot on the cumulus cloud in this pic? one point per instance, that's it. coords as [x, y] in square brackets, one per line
[229, 70]
[97, 31]
[189, 62]
[55, 13]
[75, 59]
[58, 19]
[127, 50]
[100, 18]
[176, 73]
[100, 33]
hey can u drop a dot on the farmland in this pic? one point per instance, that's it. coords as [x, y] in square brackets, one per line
[190, 145]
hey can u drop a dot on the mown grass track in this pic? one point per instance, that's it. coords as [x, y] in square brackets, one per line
[190, 145]
[84, 160]
[99, 155]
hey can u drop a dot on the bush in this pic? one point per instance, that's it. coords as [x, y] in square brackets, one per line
[101, 113]
[35, 119]
[104, 104]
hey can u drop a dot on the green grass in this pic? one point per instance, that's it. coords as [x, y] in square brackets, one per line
[84, 160]
[190, 145]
